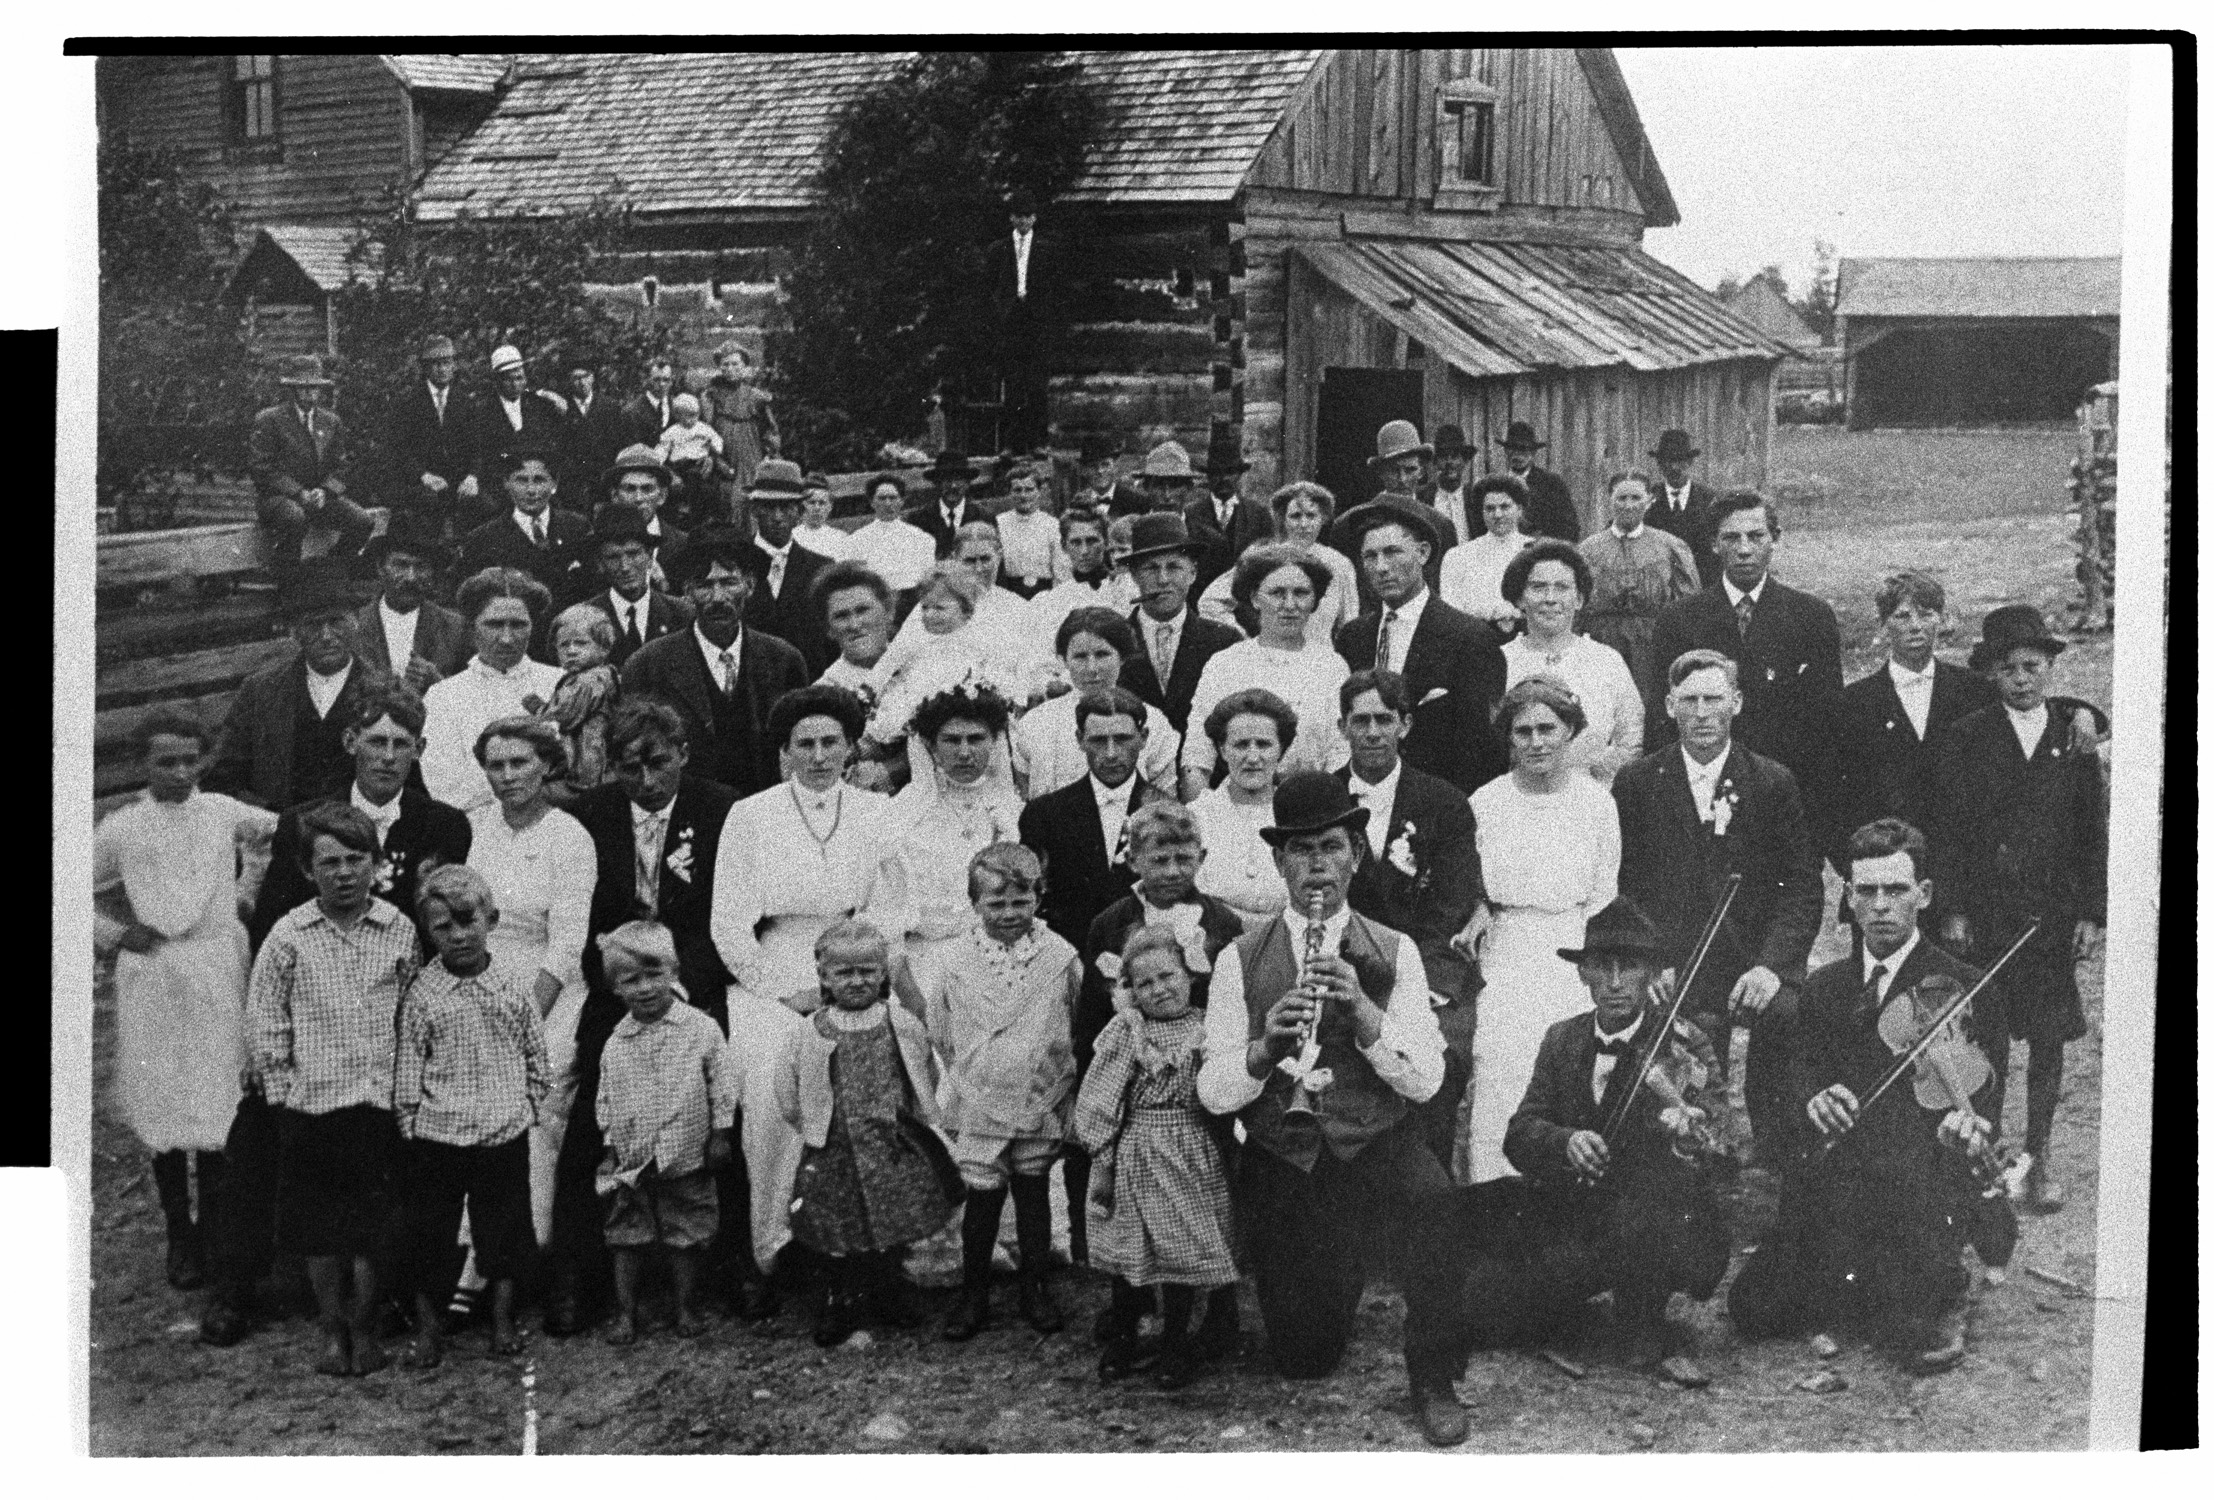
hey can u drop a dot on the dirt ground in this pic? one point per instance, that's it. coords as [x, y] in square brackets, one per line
[1981, 509]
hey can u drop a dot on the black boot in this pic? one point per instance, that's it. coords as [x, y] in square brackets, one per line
[1179, 1364]
[979, 1230]
[1034, 1242]
[839, 1314]
[1218, 1330]
[890, 1297]
[173, 1182]
[1076, 1176]
[1116, 1329]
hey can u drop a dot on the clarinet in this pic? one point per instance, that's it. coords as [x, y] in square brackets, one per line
[1301, 1064]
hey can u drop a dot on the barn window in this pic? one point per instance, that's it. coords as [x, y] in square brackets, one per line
[1468, 144]
[253, 99]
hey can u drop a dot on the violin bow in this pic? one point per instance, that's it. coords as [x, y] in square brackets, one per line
[1929, 1036]
[1661, 1033]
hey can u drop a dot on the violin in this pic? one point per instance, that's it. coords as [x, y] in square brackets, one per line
[1948, 1067]
[1677, 1076]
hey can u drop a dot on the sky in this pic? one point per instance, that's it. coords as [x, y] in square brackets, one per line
[1882, 151]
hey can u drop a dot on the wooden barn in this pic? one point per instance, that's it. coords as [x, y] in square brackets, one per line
[1761, 304]
[1299, 245]
[1975, 341]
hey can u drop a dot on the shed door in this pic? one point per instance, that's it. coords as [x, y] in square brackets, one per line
[1354, 403]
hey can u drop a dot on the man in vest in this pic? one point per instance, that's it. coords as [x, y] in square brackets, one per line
[1325, 1059]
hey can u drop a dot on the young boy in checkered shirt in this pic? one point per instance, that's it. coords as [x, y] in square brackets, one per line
[668, 1093]
[466, 1089]
[321, 1012]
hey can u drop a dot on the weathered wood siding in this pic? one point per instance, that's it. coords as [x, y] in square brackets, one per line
[344, 130]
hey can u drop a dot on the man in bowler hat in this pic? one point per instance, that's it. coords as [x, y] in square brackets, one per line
[1552, 510]
[1682, 506]
[1174, 642]
[953, 508]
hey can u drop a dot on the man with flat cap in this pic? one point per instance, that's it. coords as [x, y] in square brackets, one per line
[296, 456]
[1174, 642]
[623, 552]
[781, 606]
[430, 440]
[1223, 523]
[1449, 494]
[952, 508]
[1552, 510]
[402, 631]
[1321, 1040]
[284, 739]
[1682, 506]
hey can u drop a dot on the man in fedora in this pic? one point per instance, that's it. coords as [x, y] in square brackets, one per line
[1450, 661]
[1552, 510]
[402, 631]
[622, 550]
[1167, 476]
[429, 437]
[952, 508]
[1174, 643]
[640, 480]
[1222, 522]
[1682, 507]
[1103, 491]
[296, 456]
[283, 740]
[1336, 1173]
[782, 605]
[1401, 458]
[1448, 493]
[1636, 1215]
[513, 418]
[2021, 836]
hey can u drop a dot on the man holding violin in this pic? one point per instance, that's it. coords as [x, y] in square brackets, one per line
[1612, 1143]
[1879, 1201]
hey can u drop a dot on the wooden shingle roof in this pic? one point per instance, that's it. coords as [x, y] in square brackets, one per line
[1980, 287]
[449, 72]
[676, 133]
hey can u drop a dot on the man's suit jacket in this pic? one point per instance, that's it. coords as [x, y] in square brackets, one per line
[1219, 552]
[419, 442]
[1694, 528]
[1552, 510]
[929, 517]
[1558, 1103]
[1200, 640]
[1471, 514]
[1125, 499]
[284, 458]
[644, 420]
[543, 433]
[792, 616]
[1455, 675]
[696, 821]
[1674, 867]
[590, 441]
[1883, 771]
[442, 638]
[254, 759]
[1039, 284]
[427, 834]
[560, 565]
[1788, 668]
[729, 739]
[665, 613]
[1219, 927]
[1433, 831]
[1083, 877]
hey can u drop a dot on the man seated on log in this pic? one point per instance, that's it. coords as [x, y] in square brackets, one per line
[1629, 1210]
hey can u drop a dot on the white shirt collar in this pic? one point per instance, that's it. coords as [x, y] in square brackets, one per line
[512, 403]
[1152, 627]
[523, 522]
[1907, 677]
[1104, 794]
[384, 817]
[1735, 593]
[714, 653]
[1333, 927]
[1711, 771]
[1410, 613]
[1602, 1034]
[329, 681]
[2029, 728]
[1378, 795]
[621, 605]
[640, 818]
[1893, 963]
[1632, 534]
[783, 551]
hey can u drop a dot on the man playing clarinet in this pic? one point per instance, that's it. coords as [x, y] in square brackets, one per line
[1880, 1199]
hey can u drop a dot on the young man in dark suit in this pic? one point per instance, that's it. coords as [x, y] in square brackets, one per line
[1223, 523]
[1552, 509]
[783, 605]
[531, 534]
[952, 507]
[1452, 492]
[1682, 507]
[649, 414]
[592, 431]
[720, 677]
[637, 478]
[624, 554]
[283, 740]
[1104, 492]
[657, 831]
[296, 456]
[2021, 836]
[1023, 270]
[1784, 643]
[513, 418]
[1637, 1215]
[1422, 876]
[1162, 564]
[401, 631]
[1450, 660]
[1693, 814]
[1871, 1231]
[430, 442]
[1079, 830]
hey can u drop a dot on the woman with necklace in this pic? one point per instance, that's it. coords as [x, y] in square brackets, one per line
[1250, 730]
[949, 812]
[1281, 584]
[1549, 581]
[806, 855]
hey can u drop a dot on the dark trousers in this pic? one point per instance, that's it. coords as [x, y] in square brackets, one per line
[285, 525]
[335, 1182]
[238, 1218]
[1314, 1235]
[436, 1181]
[1773, 1034]
[1852, 1249]
[2042, 1085]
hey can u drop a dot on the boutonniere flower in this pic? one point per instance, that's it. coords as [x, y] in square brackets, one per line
[1109, 966]
[679, 862]
[389, 869]
[1401, 850]
[1724, 809]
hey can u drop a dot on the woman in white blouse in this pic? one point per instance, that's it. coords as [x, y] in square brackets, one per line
[1549, 580]
[541, 866]
[1551, 849]
[1470, 576]
[502, 605]
[1303, 511]
[802, 857]
[1250, 730]
[1282, 584]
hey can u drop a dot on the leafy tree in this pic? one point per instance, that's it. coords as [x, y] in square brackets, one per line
[1819, 305]
[890, 298]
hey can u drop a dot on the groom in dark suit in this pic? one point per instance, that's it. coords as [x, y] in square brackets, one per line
[1692, 815]
[1087, 861]
[1163, 562]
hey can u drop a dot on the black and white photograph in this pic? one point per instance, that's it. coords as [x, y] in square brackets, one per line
[1332, 749]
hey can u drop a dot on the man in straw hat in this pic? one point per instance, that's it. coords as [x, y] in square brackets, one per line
[782, 605]
[1174, 642]
[2021, 836]
[429, 437]
[1336, 1170]
[1167, 477]
[296, 456]
[1552, 510]
[1682, 507]
[944, 516]
[1634, 1213]
[513, 418]
[1224, 523]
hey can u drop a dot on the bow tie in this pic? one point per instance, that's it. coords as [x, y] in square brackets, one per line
[1615, 1046]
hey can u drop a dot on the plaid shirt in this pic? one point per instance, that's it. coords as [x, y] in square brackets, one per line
[663, 1086]
[322, 1010]
[472, 1065]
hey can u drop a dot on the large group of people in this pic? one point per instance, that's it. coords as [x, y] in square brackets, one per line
[781, 902]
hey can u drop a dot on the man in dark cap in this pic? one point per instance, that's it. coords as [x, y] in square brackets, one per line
[1320, 1039]
[952, 508]
[296, 456]
[429, 441]
[782, 605]
[402, 631]
[1448, 494]
[1682, 507]
[1173, 641]
[283, 740]
[1552, 510]
[1222, 523]
[623, 552]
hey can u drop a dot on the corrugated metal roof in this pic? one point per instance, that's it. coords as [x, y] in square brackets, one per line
[737, 132]
[1980, 287]
[318, 250]
[449, 72]
[1515, 309]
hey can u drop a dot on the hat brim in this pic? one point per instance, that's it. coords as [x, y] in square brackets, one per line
[1354, 818]
[1419, 450]
[1523, 445]
[1665, 456]
[1358, 522]
[797, 497]
[1214, 470]
[1987, 653]
[385, 543]
[1186, 548]
[613, 472]
[1624, 949]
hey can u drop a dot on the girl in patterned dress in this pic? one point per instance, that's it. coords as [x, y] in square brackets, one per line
[860, 1088]
[1160, 1194]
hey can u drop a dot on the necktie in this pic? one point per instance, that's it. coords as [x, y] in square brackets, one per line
[647, 882]
[729, 665]
[1164, 652]
[632, 631]
[438, 400]
[1744, 616]
[1383, 640]
[538, 531]
[776, 575]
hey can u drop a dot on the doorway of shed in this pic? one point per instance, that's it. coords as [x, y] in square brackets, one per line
[1351, 405]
